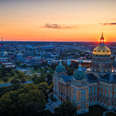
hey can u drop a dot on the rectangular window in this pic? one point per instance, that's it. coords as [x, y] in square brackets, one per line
[78, 95]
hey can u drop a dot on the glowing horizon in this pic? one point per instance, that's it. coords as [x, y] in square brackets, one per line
[57, 20]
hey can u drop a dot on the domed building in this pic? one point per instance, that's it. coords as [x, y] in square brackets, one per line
[88, 88]
[60, 68]
[79, 74]
[102, 61]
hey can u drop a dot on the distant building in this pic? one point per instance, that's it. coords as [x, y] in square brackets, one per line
[8, 65]
[20, 57]
[84, 89]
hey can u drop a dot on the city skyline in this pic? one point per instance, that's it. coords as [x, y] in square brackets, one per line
[57, 20]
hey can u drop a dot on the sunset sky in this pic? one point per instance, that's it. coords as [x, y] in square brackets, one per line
[57, 20]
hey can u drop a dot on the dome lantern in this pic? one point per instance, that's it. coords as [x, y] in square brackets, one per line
[102, 39]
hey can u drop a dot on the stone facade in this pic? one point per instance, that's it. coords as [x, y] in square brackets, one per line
[85, 89]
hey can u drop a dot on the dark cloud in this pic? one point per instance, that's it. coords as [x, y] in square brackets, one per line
[57, 26]
[114, 23]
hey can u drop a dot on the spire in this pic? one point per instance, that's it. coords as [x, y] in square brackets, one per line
[80, 67]
[102, 39]
[60, 62]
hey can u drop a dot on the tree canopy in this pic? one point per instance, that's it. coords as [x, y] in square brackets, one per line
[66, 109]
[26, 100]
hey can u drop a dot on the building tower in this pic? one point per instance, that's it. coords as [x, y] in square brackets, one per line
[101, 60]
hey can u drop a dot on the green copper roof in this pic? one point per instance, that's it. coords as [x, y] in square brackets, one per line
[60, 68]
[79, 74]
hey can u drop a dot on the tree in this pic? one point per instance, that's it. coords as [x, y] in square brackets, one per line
[35, 67]
[38, 79]
[6, 73]
[21, 76]
[43, 86]
[15, 81]
[28, 100]
[65, 109]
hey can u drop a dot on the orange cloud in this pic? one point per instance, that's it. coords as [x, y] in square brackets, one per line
[58, 26]
[114, 23]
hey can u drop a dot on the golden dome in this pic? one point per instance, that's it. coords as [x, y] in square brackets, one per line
[101, 49]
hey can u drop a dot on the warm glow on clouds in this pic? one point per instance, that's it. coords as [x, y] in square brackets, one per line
[57, 20]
